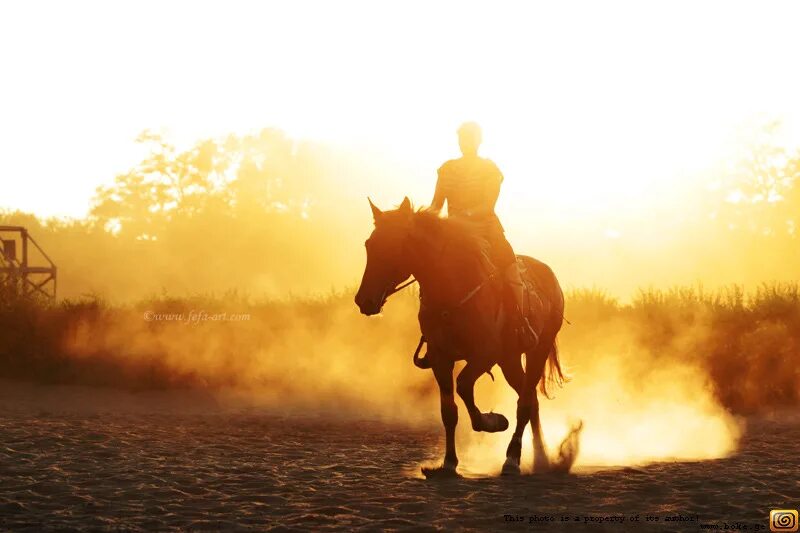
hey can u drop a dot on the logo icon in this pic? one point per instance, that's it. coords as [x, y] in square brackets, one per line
[783, 520]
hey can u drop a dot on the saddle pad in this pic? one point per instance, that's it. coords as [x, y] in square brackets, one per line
[536, 308]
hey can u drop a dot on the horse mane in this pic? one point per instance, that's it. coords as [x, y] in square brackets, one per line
[462, 235]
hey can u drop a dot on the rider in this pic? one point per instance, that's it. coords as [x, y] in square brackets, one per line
[471, 185]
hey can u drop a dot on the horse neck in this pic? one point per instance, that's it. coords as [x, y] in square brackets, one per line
[445, 275]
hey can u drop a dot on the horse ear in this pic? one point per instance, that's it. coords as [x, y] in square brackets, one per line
[406, 205]
[376, 213]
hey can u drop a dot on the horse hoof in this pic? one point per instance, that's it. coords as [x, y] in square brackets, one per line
[493, 422]
[441, 472]
[541, 468]
[510, 468]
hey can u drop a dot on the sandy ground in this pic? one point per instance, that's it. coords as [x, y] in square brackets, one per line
[100, 460]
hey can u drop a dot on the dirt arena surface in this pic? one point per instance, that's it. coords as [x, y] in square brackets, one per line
[97, 463]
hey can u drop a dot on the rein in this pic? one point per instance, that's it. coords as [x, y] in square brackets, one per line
[400, 287]
[471, 294]
[446, 313]
[422, 362]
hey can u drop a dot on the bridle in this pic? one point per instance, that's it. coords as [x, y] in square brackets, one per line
[399, 288]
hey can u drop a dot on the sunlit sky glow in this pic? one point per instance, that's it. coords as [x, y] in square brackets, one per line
[590, 103]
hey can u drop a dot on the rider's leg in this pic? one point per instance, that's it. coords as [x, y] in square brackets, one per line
[513, 279]
[503, 256]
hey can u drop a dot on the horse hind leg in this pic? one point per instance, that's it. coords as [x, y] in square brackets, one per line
[515, 376]
[533, 374]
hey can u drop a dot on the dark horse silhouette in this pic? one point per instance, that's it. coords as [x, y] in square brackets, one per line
[461, 317]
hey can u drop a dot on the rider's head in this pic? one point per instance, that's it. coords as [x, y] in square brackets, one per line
[469, 138]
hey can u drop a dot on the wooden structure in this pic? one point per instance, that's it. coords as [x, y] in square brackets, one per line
[18, 274]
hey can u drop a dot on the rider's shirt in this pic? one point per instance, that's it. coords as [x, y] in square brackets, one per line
[471, 186]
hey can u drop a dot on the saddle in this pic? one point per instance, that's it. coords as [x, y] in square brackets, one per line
[535, 308]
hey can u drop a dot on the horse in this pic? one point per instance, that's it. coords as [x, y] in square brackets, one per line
[461, 317]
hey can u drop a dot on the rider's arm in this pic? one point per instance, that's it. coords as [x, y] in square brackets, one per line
[439, 195]
[493, 181]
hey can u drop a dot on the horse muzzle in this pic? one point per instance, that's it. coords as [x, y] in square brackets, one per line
[369, 309]
[370, 306]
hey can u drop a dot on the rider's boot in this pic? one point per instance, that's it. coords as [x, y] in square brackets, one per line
[525, 331]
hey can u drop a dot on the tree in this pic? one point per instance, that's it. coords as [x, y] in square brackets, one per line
[240, 175]
[762, 193]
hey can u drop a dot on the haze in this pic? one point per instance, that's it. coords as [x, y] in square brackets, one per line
[574, 116]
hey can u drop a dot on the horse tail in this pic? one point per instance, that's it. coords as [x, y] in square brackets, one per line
[554, 374]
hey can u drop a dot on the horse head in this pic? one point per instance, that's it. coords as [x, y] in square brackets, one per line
[388, 263]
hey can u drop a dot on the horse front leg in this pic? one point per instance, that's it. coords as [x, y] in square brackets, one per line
[465, 385]
[443, 372]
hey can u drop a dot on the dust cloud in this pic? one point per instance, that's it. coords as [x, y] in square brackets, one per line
[639, 401]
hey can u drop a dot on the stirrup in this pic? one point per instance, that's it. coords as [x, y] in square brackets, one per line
[422, 362]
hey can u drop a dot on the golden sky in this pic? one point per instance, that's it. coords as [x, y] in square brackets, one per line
[590, 104]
